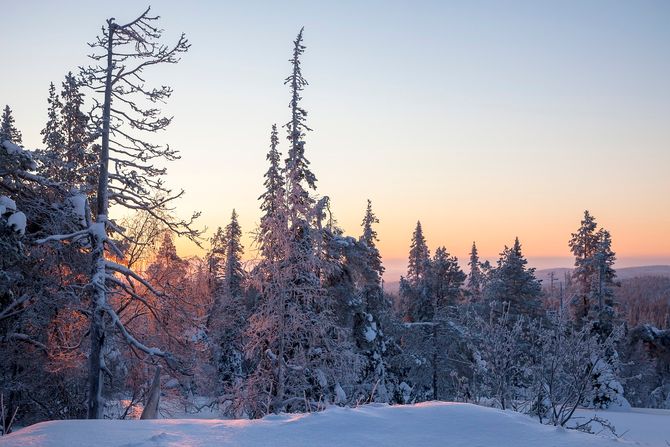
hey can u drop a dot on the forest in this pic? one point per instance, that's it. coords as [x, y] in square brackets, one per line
[101, 318]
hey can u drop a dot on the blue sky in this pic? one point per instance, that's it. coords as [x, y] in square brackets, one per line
[486, 120]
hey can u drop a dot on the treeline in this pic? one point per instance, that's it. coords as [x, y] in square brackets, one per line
[91, 305]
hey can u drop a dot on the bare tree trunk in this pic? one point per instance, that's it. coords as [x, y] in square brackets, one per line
[434, 361]
[281, 374]
[98, 235]
[151, 407]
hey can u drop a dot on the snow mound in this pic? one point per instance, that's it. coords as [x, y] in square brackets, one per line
[427, 424]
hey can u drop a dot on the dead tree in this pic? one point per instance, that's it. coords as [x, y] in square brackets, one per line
[125, 111]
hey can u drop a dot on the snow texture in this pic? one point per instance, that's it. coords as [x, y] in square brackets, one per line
[6, 204]
[11, 148]
[18, 222]
[426, 424]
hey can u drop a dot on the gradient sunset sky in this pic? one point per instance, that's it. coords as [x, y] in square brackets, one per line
[485, 120]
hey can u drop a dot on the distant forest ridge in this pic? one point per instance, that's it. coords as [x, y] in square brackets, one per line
[545, 275]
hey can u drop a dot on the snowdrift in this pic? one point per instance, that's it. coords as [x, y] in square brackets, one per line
[427, 424]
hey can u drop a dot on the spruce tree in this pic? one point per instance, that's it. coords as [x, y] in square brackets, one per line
[79, 157]
[369, 238]
[228, 324]
[300, 354]
[475, 277]
[297, 172]
[416, 300]
[446, 279]
[8, 130]
[52, 134]
[583, 245]
[233, 271]
[593, 275]
[274, 221]
[514, 285]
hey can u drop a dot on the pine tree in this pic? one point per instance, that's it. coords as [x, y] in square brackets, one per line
[475, 277]
[7, 129]
[514, 285]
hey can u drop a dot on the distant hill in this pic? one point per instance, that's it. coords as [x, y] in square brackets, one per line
[560, 272]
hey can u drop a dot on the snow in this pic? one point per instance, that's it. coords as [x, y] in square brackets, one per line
[6, 204]
[18, 222]
[427, 424]
[370, 331]
[645, 426]
[78, 204]
[11, 148]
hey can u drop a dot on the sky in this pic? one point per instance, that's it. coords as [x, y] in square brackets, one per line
[485, 120]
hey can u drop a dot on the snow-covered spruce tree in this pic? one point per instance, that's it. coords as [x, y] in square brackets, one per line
[369, 238]
[606, 279]
[79, 156]
[353, 282]
[475, 277]
[52, 136]
[68, 156]
[446, 280]
[414, 288]
[377, 315]
[513, 285]
[36, 291]
[300, 352]
[227, 325]
[594, 275]
[127, 177]
[8, 130]
[583, 245]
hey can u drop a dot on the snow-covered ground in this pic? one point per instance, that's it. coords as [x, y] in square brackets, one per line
[427, 424]
[645, 426]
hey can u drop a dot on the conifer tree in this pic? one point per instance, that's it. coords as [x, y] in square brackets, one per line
[274, 221]
[233, 271]
[300, 353]
[8, 130]
[369, 238]
[514, 285]
[52, 134]
[594, 274]
[583, 245]
[227, 324]
[415, 294]
[78, 154]
[419, 256]
[446, 279]
[604, 293]
[475, 277]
